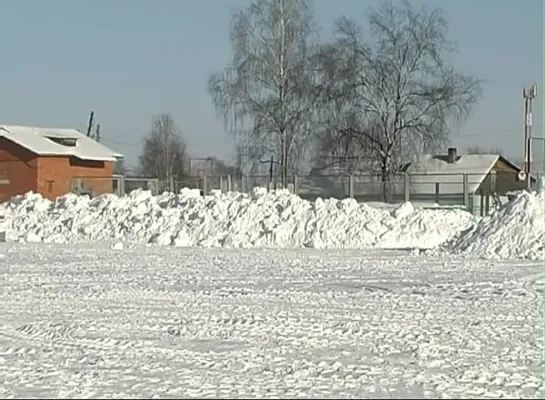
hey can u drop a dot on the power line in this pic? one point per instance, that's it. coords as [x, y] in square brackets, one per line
[120, 142]
[454, 135]
[471, 134]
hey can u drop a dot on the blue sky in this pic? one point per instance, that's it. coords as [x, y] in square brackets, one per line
[130, 59]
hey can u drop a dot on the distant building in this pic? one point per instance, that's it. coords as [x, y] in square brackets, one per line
[443, 178]
[484, 174]
[53, 162]
[483, 178]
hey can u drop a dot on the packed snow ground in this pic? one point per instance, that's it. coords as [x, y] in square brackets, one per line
[89, 321]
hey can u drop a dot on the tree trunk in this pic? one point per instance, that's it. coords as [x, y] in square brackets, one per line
[283, 160]
[385, 178]
[286, 167]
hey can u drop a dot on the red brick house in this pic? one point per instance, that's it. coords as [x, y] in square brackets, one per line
[49, 160]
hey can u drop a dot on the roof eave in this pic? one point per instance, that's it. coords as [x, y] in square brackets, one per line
[111, 159]
[81, 157]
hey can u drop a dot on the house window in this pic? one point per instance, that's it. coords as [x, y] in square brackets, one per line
[77, 162]
[64, 141]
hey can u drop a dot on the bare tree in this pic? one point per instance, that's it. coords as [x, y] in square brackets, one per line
[334, 149]
[164, 151]
[395, 93]
[264, 95]
[221, 168]
[120, 168]
[481, 150]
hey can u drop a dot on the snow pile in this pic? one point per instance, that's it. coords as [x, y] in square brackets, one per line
[517, 230]
[260, 219]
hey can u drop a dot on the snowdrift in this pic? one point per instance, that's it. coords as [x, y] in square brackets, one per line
[260, 219]
[517, 230]
[277, 219]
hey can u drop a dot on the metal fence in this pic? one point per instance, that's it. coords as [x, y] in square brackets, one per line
[477, 192]
[117, 184]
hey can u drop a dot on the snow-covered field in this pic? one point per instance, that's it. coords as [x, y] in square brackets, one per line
[85, 320]
[236, 295]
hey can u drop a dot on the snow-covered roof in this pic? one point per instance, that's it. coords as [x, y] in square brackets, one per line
[429, 170]
[45, 142]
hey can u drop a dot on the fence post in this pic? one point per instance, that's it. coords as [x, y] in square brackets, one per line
[437, 192]
[466, 191]
[204, 185]
[351, 186]
[295, 183]
[229, 183]
[407, 187]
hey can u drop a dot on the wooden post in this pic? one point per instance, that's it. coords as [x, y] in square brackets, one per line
[466, 191]
[204, 185]
[351, 186]
[437, 192]
[123, 190]
[407, 187]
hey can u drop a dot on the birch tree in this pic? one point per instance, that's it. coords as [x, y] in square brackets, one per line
[394, 91]
[265, 94]
[481, 150]
[164, 152]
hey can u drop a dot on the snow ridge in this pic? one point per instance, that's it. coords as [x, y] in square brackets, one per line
[259, 219]
[517, 230]
[277, 219]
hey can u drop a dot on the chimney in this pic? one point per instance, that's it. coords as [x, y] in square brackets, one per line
[452, 156]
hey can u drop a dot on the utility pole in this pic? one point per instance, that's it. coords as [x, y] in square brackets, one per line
[528, 94]
[97, 133]
[90, 124]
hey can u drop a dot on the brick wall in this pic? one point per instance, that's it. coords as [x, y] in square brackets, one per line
[22, 171]
[55, 175]
[18, 170]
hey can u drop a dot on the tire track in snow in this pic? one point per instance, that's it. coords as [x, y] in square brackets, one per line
[262, 324]
[531, 285]
[29, 337]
